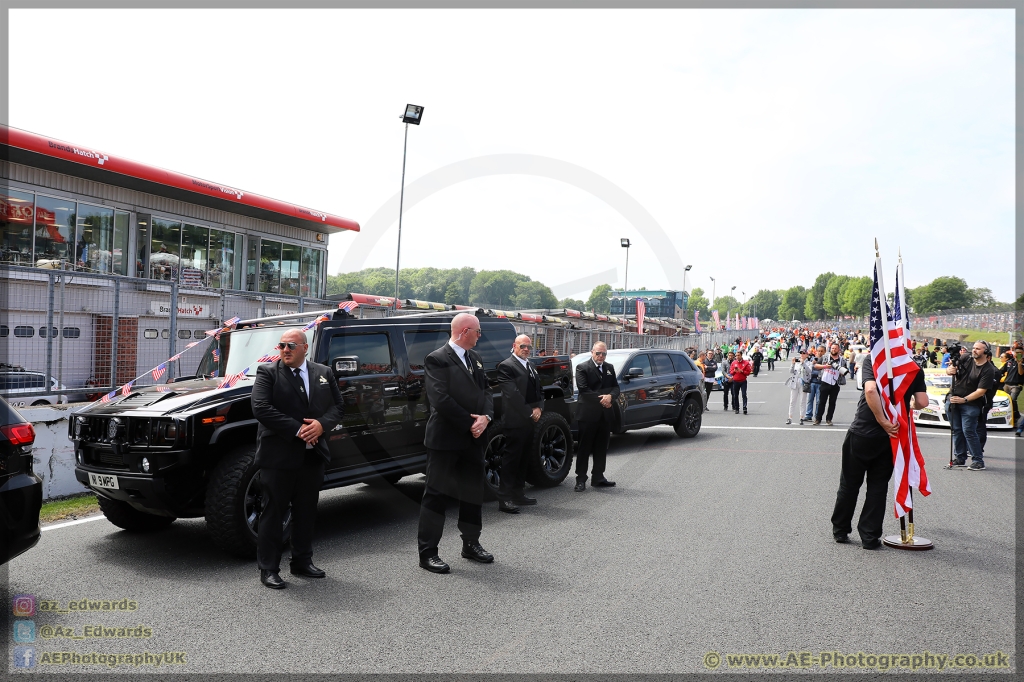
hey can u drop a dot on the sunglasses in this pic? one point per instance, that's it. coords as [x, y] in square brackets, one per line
[525, 346]
[291, 345]
[600, 352]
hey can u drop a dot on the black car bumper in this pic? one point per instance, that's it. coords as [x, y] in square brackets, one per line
[21, 497]
[160, 495]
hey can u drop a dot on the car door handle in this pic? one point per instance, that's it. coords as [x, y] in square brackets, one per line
[391, 389]
[653, 381]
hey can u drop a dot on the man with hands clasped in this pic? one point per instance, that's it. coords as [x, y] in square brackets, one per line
[522, 403]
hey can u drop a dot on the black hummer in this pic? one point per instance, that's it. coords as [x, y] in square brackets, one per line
[186, 449]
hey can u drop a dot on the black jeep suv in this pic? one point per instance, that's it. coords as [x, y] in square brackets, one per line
[186, 449]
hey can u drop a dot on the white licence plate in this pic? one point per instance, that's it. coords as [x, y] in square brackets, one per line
[103, 481]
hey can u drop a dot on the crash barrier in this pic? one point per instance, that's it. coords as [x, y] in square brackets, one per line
[1002, 319]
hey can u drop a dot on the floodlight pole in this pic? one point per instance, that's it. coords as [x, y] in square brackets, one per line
[401, 202]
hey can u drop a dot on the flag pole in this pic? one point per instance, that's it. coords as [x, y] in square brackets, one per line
[888, 356]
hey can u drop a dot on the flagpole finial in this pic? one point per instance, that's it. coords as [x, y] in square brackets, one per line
[876, 247]
[899, 254]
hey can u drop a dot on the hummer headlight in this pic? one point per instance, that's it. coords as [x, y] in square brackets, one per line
[113, 426]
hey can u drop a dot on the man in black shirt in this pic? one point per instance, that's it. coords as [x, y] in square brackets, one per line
[868, 450]
[973, 377]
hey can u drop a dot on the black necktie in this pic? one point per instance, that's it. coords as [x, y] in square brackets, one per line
[298, 375]
[469, 365]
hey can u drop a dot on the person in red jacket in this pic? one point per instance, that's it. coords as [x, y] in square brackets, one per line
[740, 370]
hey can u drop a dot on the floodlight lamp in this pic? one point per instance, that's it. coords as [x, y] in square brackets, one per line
[413, 114]
[625, 243]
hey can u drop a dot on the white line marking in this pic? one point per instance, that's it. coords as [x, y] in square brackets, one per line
[55, 526]
[827, 429]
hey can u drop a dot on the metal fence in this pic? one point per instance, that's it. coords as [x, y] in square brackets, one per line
[997, 319]
[91, 333]
[565, 341]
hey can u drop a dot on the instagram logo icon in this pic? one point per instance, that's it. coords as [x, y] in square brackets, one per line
[24, 605]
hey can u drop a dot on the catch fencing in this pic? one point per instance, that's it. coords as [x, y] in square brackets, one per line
[1002, 319]
[557, 340]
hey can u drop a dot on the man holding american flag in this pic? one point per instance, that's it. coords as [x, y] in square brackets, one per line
[881, 434]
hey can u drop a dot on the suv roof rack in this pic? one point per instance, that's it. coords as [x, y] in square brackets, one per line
[280, 318]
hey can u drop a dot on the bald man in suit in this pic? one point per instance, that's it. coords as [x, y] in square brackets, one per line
[461, 407]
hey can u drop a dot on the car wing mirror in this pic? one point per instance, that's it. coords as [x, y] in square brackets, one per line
[345, 366]
[634, 373]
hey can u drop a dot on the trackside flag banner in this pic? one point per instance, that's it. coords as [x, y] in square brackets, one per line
[696, 321]
[894, 371]
[641, 313]
[718, 321]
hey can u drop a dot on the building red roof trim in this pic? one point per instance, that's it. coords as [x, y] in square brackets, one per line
[93, 158]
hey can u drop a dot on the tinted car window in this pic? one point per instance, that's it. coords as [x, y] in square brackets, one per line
[643, 361]
[496, 344]
[420, 344]
[374, 351]
[682, 363]
[662, 364]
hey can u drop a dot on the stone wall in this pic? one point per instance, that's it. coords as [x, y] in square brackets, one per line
[53, 453]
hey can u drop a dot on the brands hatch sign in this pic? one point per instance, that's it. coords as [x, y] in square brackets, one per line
[190, 310]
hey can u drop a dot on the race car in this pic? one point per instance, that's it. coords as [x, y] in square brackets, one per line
[938, 384]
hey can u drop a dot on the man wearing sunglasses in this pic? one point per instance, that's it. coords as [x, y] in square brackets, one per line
[460, 410]
[295, 402]
[521, 404]
[598, 391]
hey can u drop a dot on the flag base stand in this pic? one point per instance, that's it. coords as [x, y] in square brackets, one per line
[914, 543]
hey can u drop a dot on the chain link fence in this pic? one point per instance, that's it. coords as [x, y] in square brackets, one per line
[996, 319]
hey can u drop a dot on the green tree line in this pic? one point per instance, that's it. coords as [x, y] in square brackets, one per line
[830, 295]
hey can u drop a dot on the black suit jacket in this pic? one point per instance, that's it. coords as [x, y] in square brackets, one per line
[280, 406]
[592, 386]
[513, 379]
[454, 393]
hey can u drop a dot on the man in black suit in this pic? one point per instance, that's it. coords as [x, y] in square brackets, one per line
[598, 391]
[460, 410]
[295, 402]
[521, 405]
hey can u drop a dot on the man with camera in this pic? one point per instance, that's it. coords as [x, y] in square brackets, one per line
[973, 376]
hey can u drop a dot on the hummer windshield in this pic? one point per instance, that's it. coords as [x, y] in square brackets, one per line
[242, 348]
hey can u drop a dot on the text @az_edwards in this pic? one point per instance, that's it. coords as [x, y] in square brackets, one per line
[925, 660]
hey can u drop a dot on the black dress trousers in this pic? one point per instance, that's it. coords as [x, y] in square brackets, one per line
[281, 487]
[514, 460]
[593, 441]
[871, 457]
[455, 474]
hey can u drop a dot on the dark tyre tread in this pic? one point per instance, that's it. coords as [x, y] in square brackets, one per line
[123, 515]
[690, 418]
[224, 517]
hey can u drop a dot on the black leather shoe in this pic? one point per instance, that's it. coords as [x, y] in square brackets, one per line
[473, 550]
[434, 564]
[877, 544]
[508, 506]
[524, 501]
[272, 580]
[580, 486]
[842, 538]
[308, 570]
[603, 483]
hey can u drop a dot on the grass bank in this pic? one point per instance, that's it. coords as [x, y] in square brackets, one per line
[68, 508]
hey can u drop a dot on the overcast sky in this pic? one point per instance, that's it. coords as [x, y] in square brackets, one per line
[769, 145]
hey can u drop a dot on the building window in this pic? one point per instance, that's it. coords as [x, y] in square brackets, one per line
[119, 250]
[55, 230]
[222, 259]
[24, 332]
[94, 243]
[252, 264]
[184, 333]
[165, 249]
[142, 221]
[165, 333]
[239, 266]
[150, 334]
[16, 227]
[309, 275]
[290, 257]
[71, 332]
[42, 333]
[195, 242]
[270, 267]
[5, 331]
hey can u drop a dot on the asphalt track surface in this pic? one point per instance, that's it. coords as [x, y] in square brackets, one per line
[720, 544]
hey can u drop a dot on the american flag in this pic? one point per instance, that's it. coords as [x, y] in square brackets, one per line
[108, 397]
[908, 462]
[193, 344]
[317, 321]
[227, 325]
[159, 371]
[641, 312]
[269, 357]
[127, 388]
[216, 355]
[696, 321]
[232, 379]
[348, 305]
[718, 321]
[213, 374]
[900, 318]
